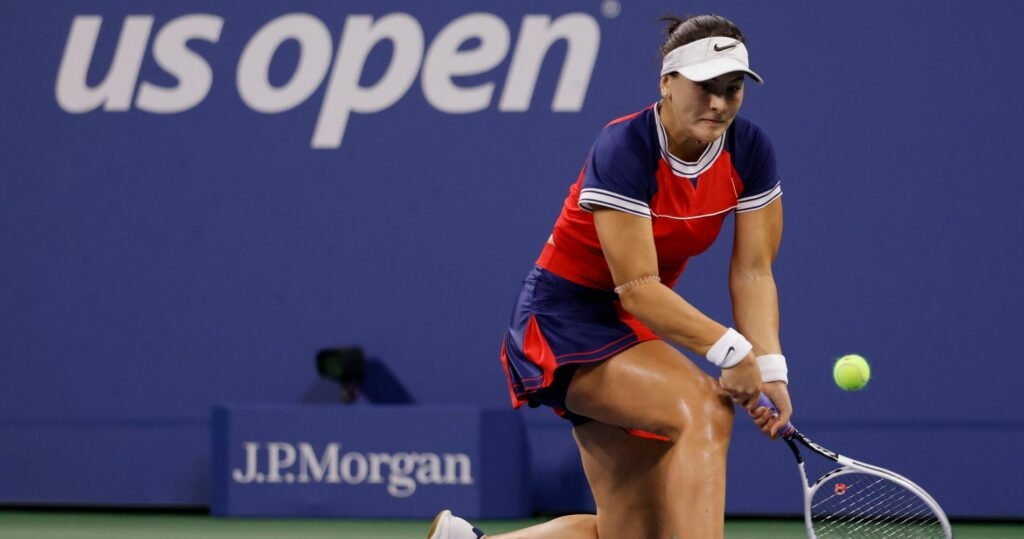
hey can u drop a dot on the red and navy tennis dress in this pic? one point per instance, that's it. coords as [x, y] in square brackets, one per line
[567, 313]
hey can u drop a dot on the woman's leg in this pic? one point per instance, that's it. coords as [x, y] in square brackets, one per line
[567, 527]
[648, 488]
[627, 475]
[674, 488]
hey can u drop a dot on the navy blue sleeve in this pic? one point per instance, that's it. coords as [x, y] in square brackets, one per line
[620, 172]
[754, 159]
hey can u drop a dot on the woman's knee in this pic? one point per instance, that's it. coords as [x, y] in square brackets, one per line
[707, 413]
[721, 415]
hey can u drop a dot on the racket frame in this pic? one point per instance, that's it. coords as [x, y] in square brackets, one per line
[848, 465]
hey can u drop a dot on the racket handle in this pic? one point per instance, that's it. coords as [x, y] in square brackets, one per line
[763, 400]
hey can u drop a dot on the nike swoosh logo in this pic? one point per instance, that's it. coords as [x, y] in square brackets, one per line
[726, 47]
[729, 352]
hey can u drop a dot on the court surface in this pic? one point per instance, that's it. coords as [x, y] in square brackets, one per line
[15, 524]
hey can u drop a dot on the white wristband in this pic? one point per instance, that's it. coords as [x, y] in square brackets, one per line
[773, 368]
[729, 350]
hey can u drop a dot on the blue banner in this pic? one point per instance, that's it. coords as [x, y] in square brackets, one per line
[374, 462]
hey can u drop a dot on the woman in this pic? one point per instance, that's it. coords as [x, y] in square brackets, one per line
[588, 334]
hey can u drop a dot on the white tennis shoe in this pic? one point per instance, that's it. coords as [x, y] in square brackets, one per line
[448, 526]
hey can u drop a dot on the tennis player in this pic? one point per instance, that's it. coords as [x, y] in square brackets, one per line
[593, 330]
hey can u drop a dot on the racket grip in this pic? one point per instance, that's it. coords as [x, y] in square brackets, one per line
[763, 400]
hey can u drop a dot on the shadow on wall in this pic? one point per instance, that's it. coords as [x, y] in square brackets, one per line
[348, 376]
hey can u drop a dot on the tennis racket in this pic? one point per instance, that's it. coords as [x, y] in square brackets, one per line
[861, 500]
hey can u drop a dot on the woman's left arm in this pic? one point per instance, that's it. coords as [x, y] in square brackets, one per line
[755, 300]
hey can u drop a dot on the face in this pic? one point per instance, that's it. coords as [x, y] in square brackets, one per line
[700, 111]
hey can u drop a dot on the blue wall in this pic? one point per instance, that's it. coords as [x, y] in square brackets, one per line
[164, 252]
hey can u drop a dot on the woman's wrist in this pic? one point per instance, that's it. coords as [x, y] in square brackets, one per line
[773, 368]
[729, 349]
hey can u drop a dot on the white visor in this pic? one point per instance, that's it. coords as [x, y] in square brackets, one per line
[708, 58]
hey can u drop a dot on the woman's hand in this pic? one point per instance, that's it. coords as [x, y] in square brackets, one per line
[743, 382]
[766, 419]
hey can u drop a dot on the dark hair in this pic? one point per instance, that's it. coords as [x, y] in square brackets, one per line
[694, 27]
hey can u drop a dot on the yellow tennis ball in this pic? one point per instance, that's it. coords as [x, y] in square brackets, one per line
[851, 372]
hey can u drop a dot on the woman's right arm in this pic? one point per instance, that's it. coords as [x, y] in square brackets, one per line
[628, 244]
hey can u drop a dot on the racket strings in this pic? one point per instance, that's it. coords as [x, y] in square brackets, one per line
[863, 505]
